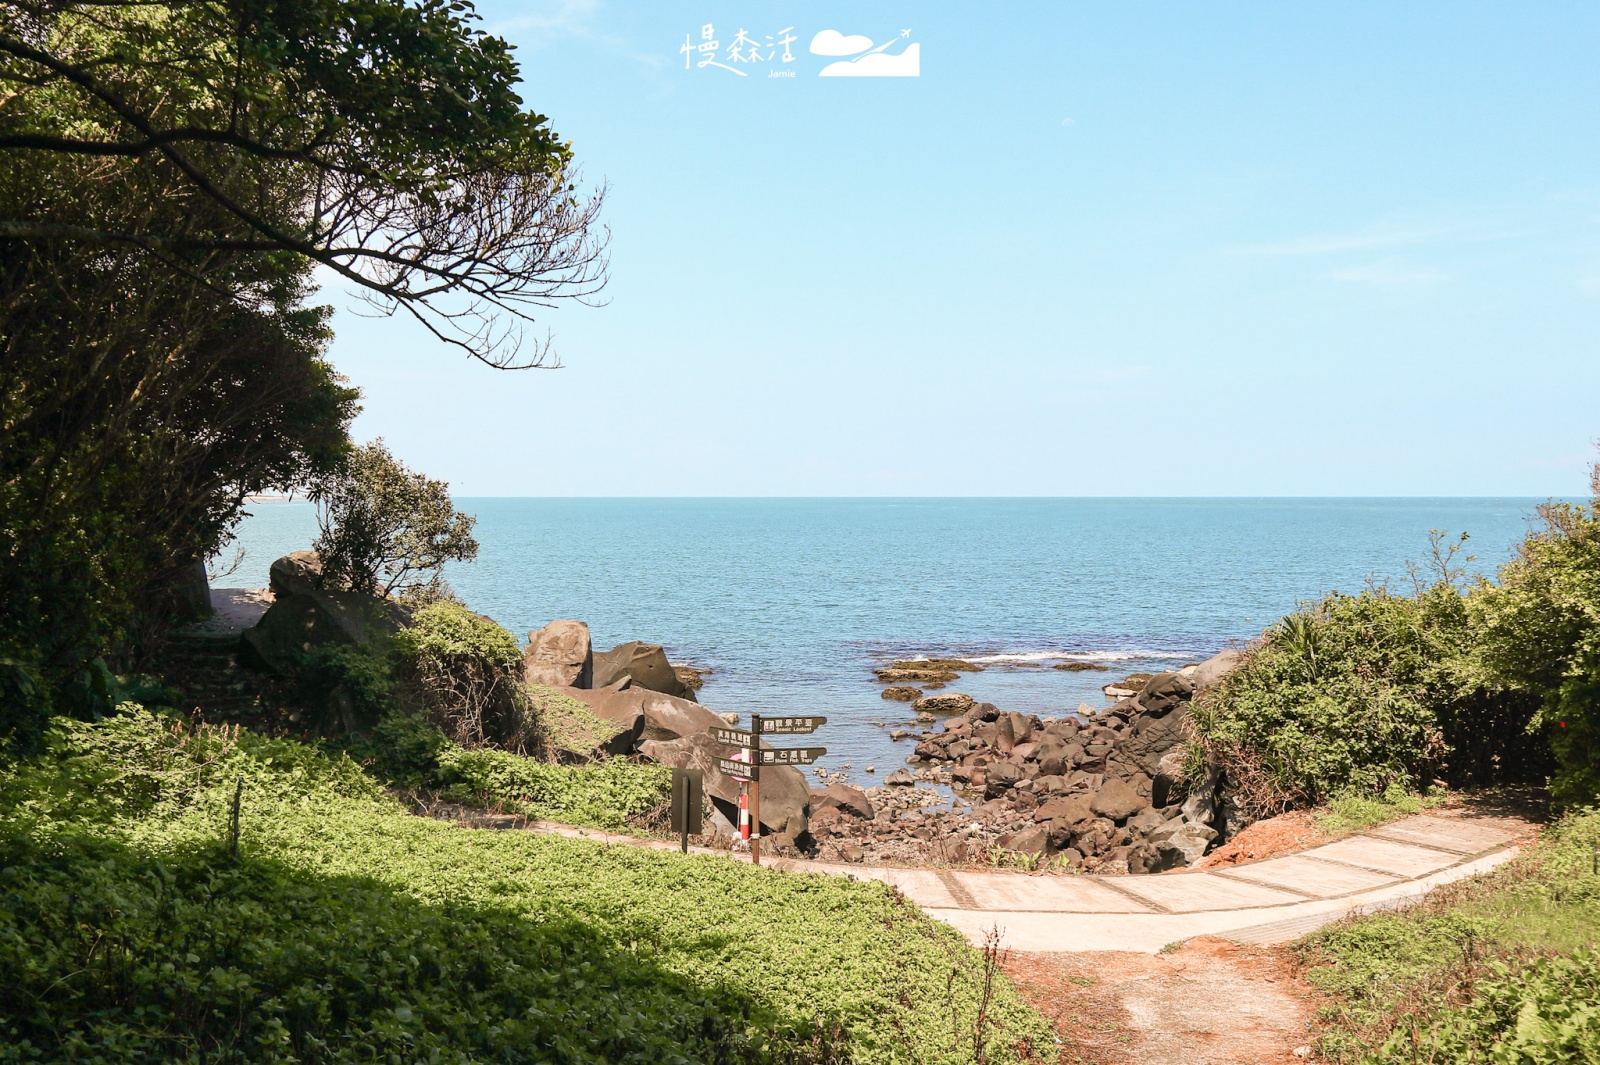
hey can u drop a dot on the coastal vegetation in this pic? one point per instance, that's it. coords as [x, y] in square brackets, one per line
[1499, 968]
[187, 894]
[1462, 682]
[174, 173]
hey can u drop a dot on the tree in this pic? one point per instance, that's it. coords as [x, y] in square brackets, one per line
[381, 139]
[385, 530]
[172, 175]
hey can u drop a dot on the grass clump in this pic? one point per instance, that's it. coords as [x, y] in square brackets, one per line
[1352, 811]
[1501, 968]
[346, 930]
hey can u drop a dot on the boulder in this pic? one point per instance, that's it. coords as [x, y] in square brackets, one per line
[666, 717]
[1070, 810]
[852, 801]
[948, 703]
[1213, 669]
[1164, 691]
[1188, 839]
[645, 664]
[560, 715]
[1148, 739]
[302, 621]
[784, 794]
[1117, 801]
[902, 694]
[900, 778]
[1032, 840]
[982, 712]
[185, 592]
[1001, 777]
[1146, 821]
[298, 571]
[559, 655]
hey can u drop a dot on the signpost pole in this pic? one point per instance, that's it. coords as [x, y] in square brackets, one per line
[683, 842]
[755, 789]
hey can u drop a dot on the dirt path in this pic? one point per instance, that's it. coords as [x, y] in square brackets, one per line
[1211, 1002]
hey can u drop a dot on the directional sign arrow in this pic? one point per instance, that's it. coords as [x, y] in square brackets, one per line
[738, 770]
[792, 755]
[791, 726]
[733, 737]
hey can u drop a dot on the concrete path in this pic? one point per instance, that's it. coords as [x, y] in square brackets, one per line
[1269, 901]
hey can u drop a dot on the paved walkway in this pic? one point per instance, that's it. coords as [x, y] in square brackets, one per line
[1269, 901]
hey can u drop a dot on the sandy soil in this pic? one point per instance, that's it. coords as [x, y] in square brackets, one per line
[1288, 832]
[1211, 1002]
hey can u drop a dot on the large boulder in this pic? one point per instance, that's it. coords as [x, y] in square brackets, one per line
[186, 593]
[1213, 669]
[645, 664]
[303, 621]
[1163, 692]
[298, 571]
[666, 717]
[852, 801]
[559, 655]
[785, 798]
[1180, 842]
[1117, 801]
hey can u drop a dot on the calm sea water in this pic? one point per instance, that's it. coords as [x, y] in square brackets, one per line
[792, 602]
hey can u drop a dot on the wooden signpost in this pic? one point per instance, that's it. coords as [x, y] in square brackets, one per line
[748, 767]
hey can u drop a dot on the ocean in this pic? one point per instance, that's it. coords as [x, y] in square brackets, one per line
[792, 602]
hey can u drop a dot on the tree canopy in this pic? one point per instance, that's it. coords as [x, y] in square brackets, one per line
[177, 177]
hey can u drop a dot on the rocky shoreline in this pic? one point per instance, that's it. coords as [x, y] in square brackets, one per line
[1101, 791]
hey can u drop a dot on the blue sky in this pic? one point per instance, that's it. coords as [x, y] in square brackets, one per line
[1107, 249]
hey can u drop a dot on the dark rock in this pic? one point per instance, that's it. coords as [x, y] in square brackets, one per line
[1164, 691]
[559, 655]
[300, 622]
[1001, 777]
[1146, 821]
[186, 593]
[1072, 810]
[645, 664]
[1034, 840]
[1117, 801]
[298, 571]
[852, 801]
[983, 712]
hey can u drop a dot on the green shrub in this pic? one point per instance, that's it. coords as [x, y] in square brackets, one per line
[466, 667]
[597, 794]
[1341, 696]
[349, 687]
[350, 931]
[1541, 635]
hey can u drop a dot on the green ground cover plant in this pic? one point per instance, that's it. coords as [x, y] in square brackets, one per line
[1500, 968]
[1352, 811]
[348, 930]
